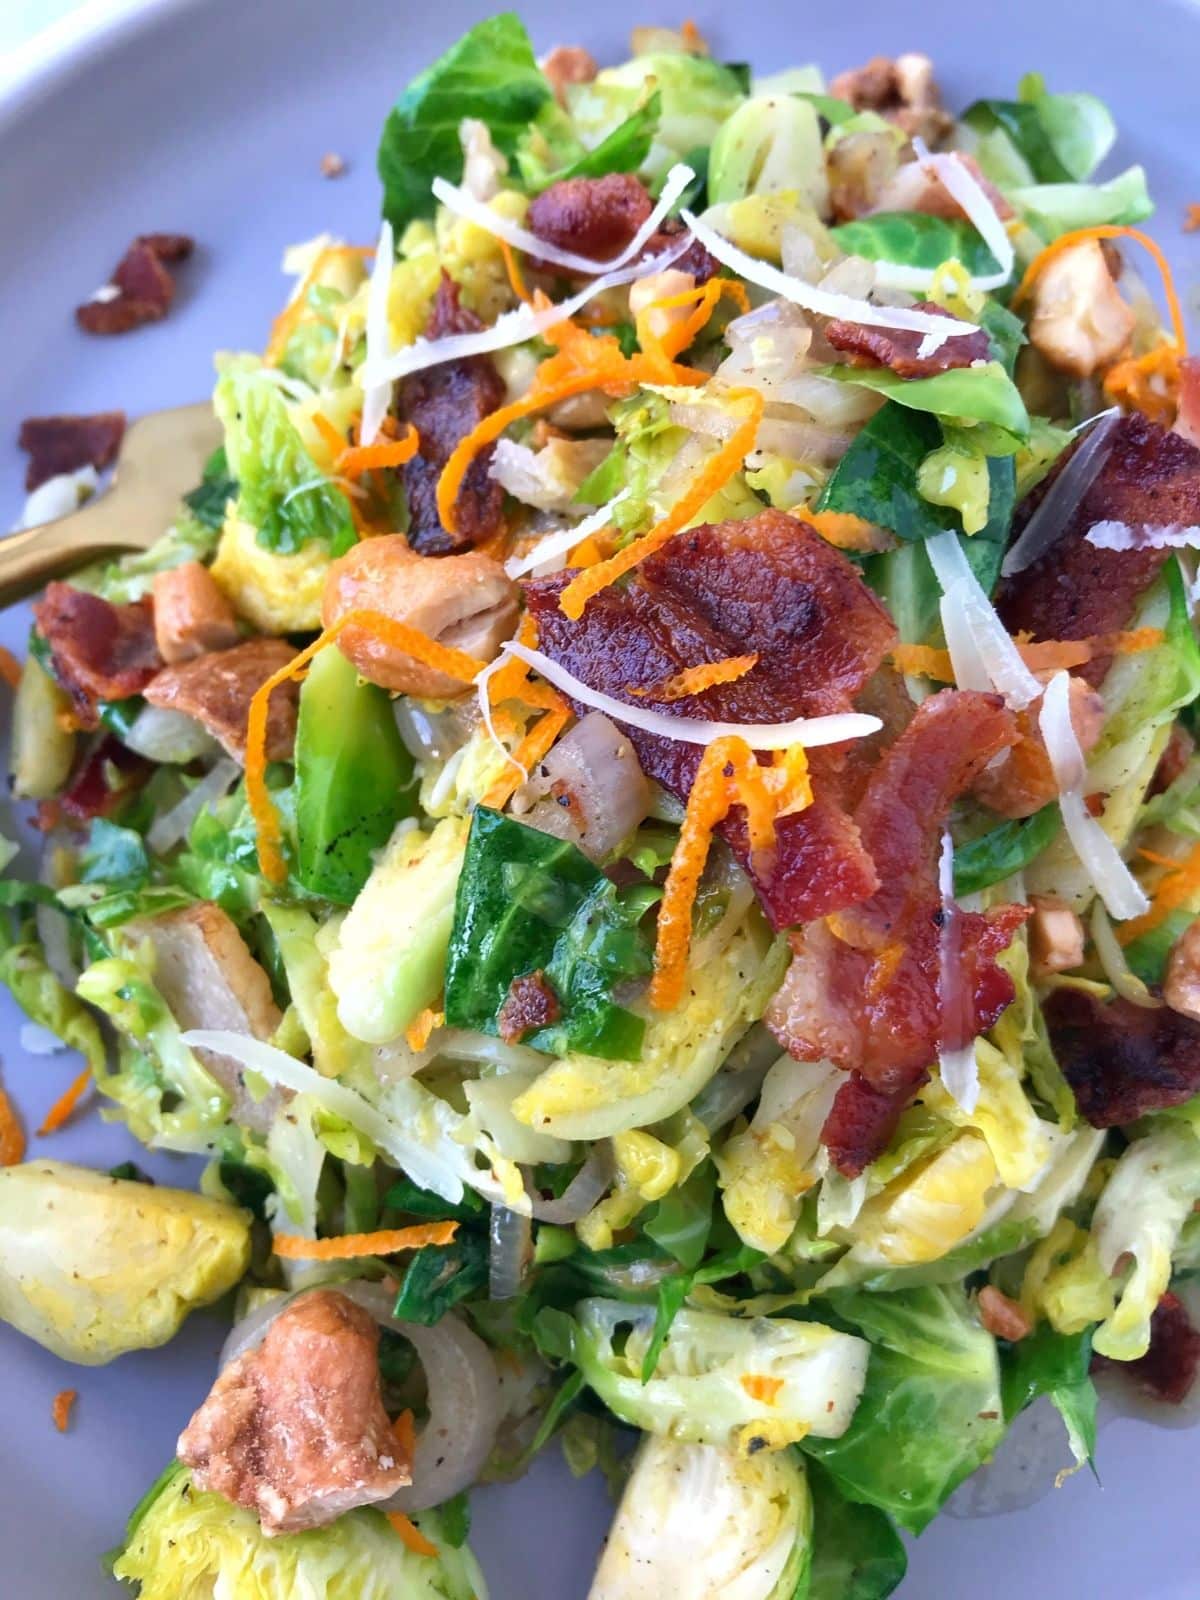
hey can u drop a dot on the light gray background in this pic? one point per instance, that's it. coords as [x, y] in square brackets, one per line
[211, 117]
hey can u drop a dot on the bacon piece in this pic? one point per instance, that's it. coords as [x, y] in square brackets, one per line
[768, 585]
[915, 187]
[1074, 590]
[595, 217]
[64, 444]
[530, 1004]
[1022, 781]
[695, 259]
[444, 403]
[1167, 1371]
[217, 690]
[295, 1429]
[568, 64]
[144, 288]
[904, 91]
[897, 348]
[1122, 1060]
[100, 651]
[862, 1120]
[863, 987]
[1187, 421]
[101, 784]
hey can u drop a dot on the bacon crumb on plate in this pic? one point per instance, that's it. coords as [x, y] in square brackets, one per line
[140, 289]
[57, 445]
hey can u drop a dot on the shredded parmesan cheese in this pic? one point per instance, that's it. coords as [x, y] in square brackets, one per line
[958, 1066]
[984, 655]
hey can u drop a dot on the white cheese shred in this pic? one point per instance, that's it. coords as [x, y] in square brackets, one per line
[377, 395]
[958, 1066]
[1150, 536]
[1120, 891]
[1065, 493]
[808, 731]
[558, 544]
[981, 651]
[965, 189]
[464, 204]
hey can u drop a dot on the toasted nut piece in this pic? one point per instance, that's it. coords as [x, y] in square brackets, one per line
[567, 64]
[1181, 982]
[661, 286]
[191, 614]
[1021, 780]
[1002, 1316]
[467, 602]
[1080, 323]
[1056, 938]
[904, 91]
[217, 690]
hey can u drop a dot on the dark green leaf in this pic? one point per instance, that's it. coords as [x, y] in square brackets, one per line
[1147, 954]
[1004, 850]
[119, 716]
[455, 1517]
[397, 1357]
[16, 892]
[742, 74]
[1021, 122]
[554, 1334]
[113, 856]
[438, 1277]
[489, 74]
[563, 1399]
[1058, 1365]
[207, 501]
[1006, 332]
[528, 902]
[407, 1196]
[131, 1172]
[672, 1292]
[604, 481]
[683, 1218]
[833, 111]
[856, 1552]
[624, 150]
[914, 239]
[250, 1186]
[693, 197]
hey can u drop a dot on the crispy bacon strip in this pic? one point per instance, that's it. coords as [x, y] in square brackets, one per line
[531, 1003]
[143, 287]
[898, 348]
[768, 586]
[862, 1120]
[67, 443]
[100, 651]
[444, 404]
[101, 783]
[1076, 591]
[594, 217]
[1122, 1060]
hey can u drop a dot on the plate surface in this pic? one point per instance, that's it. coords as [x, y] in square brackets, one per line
[211, 116]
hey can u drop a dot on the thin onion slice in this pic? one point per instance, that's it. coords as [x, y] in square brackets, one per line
[583, 1191]
[377, 396]
[510, 1242]
[958, 1066]
[808, 731]
[466, 205]
[1120, 891]
[166, 831]
[1064, 494]
[981, 651]
[513, 327]
[1150, 536]
[825, 302]
[565, 540]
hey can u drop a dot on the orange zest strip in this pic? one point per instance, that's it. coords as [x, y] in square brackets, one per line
[1043, 655]
[533, 747]
[709, 481]
[385, 1242]
[61, 1410]
[761, 1388]
[694, 680]
[10, 668]
[1108, 230]
[411, 1534]
[411, 641]
[845, 530]
[923, 661]
[360, 458]
[405, 1435]
[1148, 383]
[65, 1104]
[416, 1035]
[329, 434]
[12, 1135]
[509, 682]
[1175, 890]
[677, 336]
[515, 280]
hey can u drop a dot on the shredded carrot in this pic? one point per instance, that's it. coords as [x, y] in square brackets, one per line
[533, 747]
[708, 481]
[12, 1135]
[411, 1534]
[385, 1242]
[586, 553]
[1175, 890]
[285, 323]
[1043, 655]
[759, 1387]
[405, 1435]
[516, 281]
[675, 337]
[923, 661]
[694, 680]
[10, 668]
[331, 436]
[65, 1104]
[846, 531]
[61, 1410]
[1191, 221]
[509, 681]
[693, 38]
[357, 459]
[582, 362]
[728, 775]
[411, 641]
[1148, 383]
[416, 1035]
[1108, 230]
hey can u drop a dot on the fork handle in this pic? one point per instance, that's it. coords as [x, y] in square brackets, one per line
[30, 558]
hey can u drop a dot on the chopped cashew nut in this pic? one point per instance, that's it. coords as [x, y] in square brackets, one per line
[1181, 983]
[1080, 322]
[1056, 938]
[661, 286]
[568, 64]
[191, 615]
[1002, 1316]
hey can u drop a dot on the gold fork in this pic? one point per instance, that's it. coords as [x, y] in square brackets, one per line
[161, 458]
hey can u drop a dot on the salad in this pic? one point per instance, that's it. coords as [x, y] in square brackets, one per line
[643, 823]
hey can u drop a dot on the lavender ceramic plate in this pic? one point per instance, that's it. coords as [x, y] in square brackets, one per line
[211, 116]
